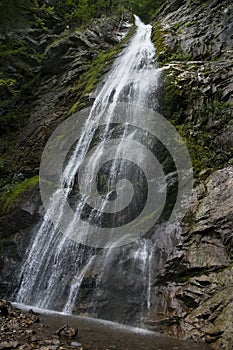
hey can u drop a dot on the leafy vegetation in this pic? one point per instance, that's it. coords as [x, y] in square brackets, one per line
[145, 9]
[12, 193]
[191, 23]
[15, 13]
[19, 13]
[163, 53]
[82, 11]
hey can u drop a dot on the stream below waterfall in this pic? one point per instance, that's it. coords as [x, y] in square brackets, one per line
[96, 334]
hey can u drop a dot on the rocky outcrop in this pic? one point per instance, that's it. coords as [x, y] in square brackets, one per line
[62, 68]
[194, 43]
[200, 30]
[59, 81]
[16, 229]
[193, 293]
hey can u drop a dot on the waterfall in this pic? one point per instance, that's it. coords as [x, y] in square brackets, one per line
[74, 289]
[58, 270]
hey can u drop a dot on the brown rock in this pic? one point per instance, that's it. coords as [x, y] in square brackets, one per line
[25, 347]
[8, 345]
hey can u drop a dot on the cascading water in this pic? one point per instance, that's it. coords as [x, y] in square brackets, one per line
[61, 274]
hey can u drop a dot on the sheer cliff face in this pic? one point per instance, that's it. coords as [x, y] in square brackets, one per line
[57, 76]
[193, 294]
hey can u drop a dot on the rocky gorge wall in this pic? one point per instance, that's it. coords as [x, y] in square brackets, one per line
[192, 295]
[50, 93]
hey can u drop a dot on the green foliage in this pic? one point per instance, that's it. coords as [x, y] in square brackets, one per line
[20, 13]
[15, 13]
[11, 48]
[180, 56]
[12, 120]
[12, 193]
[2, 163]
[48, 10]
[157, 37]
[41, 13]
[145, 9]
[196, 2]
[83, 11]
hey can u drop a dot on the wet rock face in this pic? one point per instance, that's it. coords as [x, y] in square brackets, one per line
[192, 295]
[201, 30]
[198, 84]
[64, 57]
[194, 292]
[64, 62]
[48, 83]
[16, 229]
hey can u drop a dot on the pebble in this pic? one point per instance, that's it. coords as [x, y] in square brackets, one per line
[55, 342]
[15, 326]
[67, 331]
[30, 331]
[34, 339]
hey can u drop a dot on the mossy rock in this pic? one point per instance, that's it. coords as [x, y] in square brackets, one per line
[93, 73]
[178, 100]
[13, 193]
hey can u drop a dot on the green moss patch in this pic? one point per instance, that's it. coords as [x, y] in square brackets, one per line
[157, 37]
[89, 79]
[9, 197]
[94, 71]
[163, 53]
[190, 110]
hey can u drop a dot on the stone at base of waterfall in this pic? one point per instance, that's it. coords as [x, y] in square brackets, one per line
[3, 309]
[66, 331]
[76, 344]
[8, 345]
[24, 331]
[25, 347]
